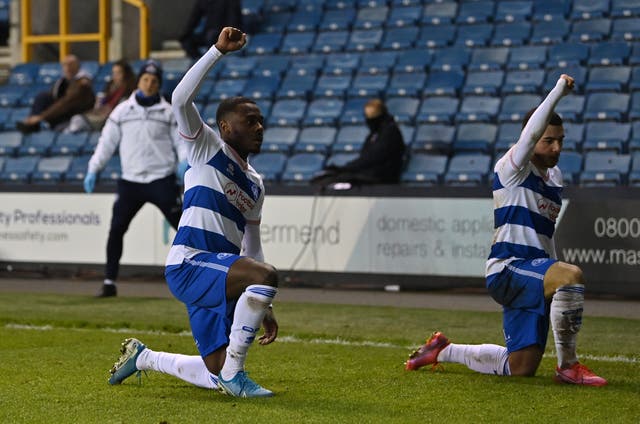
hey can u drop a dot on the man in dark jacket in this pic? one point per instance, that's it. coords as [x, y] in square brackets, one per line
[381, 157]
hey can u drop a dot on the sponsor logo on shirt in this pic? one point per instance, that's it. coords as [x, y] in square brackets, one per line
[548, 208]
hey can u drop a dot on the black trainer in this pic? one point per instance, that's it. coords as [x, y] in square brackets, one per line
[107, 290]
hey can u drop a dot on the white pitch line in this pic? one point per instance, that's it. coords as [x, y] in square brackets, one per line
[293, 339]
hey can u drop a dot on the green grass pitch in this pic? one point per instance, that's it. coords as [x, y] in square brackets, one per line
[332, 364]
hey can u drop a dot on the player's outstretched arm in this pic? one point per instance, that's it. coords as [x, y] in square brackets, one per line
[539, 120]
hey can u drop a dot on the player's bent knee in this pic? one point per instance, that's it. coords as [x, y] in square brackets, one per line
[574, 275]
[264, 274]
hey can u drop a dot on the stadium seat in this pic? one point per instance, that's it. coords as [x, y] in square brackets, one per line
[508, 135]
[24, 74]
[331, 41]
[475, 12]
[514, 11]
[379, 62]
[353, 111]
[515, 106]
[615, 53]
[332, 86]
[306, 20]
[589, 9]
[110, 174]
[634, 172]
[350, 139]
[564, 55]
[550, 32]
[478, 109]
[511, 34]
[413, 60]
[438, 110]
[625, 29]
[338, 20]
[403, 109]
[264, 43]
[49, 72]
[342, 63]
[433, 138]
[573, 136]
[606, 136]
[407, 16]
[275, 22]
[77, 170]
[634, 143]
[324, 111]
[315, 140]
[271, 66]
[475, 138]
[439, 13]
[10, 142]
[488, 59]
[607, 106]
[634, 82]
[69, 144]
[92, 143]
[295, 86]
[467, 170]
[307, 64]
[18, 170]
[287, 112]
[474, 35]
[550, 10]
[370, 17]
[208, 114]
[238, 67]
[400, 38]
[297, 42]
[436, 36]
[269, 165]
[579, 74]
[527, 57]
[341, 159]
[364, 39]
[529, 81]
[424, 169]
[37, 143]
[614, 78]
[259, 87]
[570, 163]
[451, 59]
[402, 85]
[443, 83]
[634, 109]
[605, 169]
[365, 85]
[280, 139]
[11, 95]
[571, 108]
[301, 167]
[590, 31]
[408, 132]
[277, 6]
[51, 170]
[483, 83]
[625, 8]
[226, 88]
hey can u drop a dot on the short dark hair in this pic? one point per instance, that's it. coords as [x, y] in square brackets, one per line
[554, 120]
[229, 105]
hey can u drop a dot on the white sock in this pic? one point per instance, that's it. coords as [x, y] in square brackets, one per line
[566, 320]
[483, 358]
[185, 367]
[247, 319]
[108, 282]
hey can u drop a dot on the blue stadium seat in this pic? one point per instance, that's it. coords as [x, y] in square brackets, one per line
[478, 109]
[305, 20]
[400, 38]
[451, 59]
[226, 88]
[435, 36]
[634, 109]
[111, 172]
[570, 163]
[69, 144]
[91, 144]
[511, 34]
[591, 30]
[408, 131]
[564, 55]
[634, 143]
[269, 165]
[508, 135]
[18, 170]
[529, 81]
[49, 72]
[264, 43]
[11, 95]
[413, 60]
[365, 85]
[476, 138]
[17, 114]
[474, 35]
[407, 16]
[606, 136]
[402, 85]
[625, 29]
[5, 117]
[614, 78]
[287, 112]
[332, 86]
[614, 53]
[527, 57]
[573, 136]
[208, 114]
[370, 17]
[77, 170]
[262, 87]
[483, 83]
[475, 12]
[324, 111]
[514, 11]
[438, 110]
[634, 83]
[301, 167]
[590, 9]
[424, 169]
[51, 170]
[515, 106]
[277, 6]
[353, 111]
[37, 144]
[434, 138]
[271, 66]
[403, 109]
[24, 74]
[605, 169]
[379, 62]
[296, 86]
[10, 142]
[275, 22]
[342, 63]
[443, 83]
[341, 159]
[607, 106]
[338, 20]
[331, 41]
[634, 172]
[297, 42]
[204, 92]
[625, 8]
[550, 32]
[350, 139]
[315, 140]
[307, 64]
[238, 67]
[439, 13]
[579, 74]
[571, 108]
[488, 59]
[364, 39]
[280, 139]
[550, 10]
[468, 170]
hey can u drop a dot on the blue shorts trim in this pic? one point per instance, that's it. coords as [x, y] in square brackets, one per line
[200, 283]
[519, 288]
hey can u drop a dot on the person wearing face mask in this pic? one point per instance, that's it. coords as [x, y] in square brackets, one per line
[381, 158]
[144, 131]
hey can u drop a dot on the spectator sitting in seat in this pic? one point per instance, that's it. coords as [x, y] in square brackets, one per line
[72, 93]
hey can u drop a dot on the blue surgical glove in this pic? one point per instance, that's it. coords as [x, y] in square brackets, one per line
[182, 169]
[90, 182]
